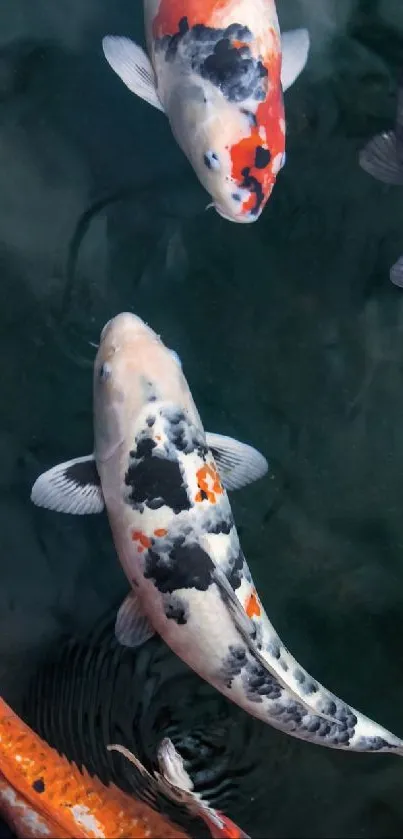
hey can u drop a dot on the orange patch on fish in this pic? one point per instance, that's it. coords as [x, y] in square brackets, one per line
[170, 12]
[266, 134]
[143, 540]
[252, 606]
[40, 789]
[160, 532]
[209, 484]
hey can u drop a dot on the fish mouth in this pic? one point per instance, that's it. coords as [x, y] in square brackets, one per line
[246, 218]
[126, 324]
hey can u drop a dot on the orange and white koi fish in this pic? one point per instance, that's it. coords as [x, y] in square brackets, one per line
[218, 69]
[163, 482]
[42, 794]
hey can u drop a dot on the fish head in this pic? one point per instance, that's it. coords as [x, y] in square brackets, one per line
[132, 367]
[236, 148]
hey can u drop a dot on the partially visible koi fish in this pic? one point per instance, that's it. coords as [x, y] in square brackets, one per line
[218, 69]
[173, 781]
[382, 158]
[43, 794]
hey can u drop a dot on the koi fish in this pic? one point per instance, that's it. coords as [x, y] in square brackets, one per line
[382, 158]
[218, 68]
[163, 481]
[43, 794]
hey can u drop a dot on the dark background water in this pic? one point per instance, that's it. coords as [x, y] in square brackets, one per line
[291, 337]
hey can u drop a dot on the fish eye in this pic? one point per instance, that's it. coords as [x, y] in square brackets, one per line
[176, 357]
[105, 371]
[211, 160]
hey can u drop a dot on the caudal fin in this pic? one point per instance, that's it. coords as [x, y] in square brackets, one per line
[175, 782]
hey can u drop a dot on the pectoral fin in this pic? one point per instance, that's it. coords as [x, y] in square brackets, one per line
[238, 464]
[132, 628]
[396, 273]
[72, 487]
[132, 65]
[295, 49]
[380, 158]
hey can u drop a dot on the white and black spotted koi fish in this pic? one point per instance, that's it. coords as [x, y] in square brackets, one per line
[163, 481]
[382, 158]
[218, 69]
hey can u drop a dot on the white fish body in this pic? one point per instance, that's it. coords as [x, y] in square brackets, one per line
[162, 480]
[218, 68]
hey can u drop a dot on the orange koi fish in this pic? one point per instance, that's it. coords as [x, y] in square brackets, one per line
[42, 794]
[218, 69]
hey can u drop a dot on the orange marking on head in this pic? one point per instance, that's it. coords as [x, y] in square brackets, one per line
[160, 531]
[170, 12]
[252, 606]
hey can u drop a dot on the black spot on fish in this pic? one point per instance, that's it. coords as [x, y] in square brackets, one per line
[236, 196]
[234, 572]
[250, 117]
[183, 26]
[273, 648]
[176, 609]
[182, 434]
[211, 160]
[156, 481]
[186, 566]
[233, 663]
[329, 708]
[220, 524]
[259, 682]
[374, 744]
[252, 183]
[262, 157]
[150, 421]
[39, 785]
[220, 55]
[145, 448]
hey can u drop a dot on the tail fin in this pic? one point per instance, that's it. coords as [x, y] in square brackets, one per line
[174, 781]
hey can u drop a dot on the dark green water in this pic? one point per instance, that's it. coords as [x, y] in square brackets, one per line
[291, 338]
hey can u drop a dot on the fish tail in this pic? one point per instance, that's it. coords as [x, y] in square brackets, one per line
[229, 829]
[174, 781]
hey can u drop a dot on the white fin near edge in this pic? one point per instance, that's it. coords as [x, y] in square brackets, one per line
[295, 49]
[396, 273]
[132, 627]
[380, 158]
[133, 66]
[238, 464]
[73, 487]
